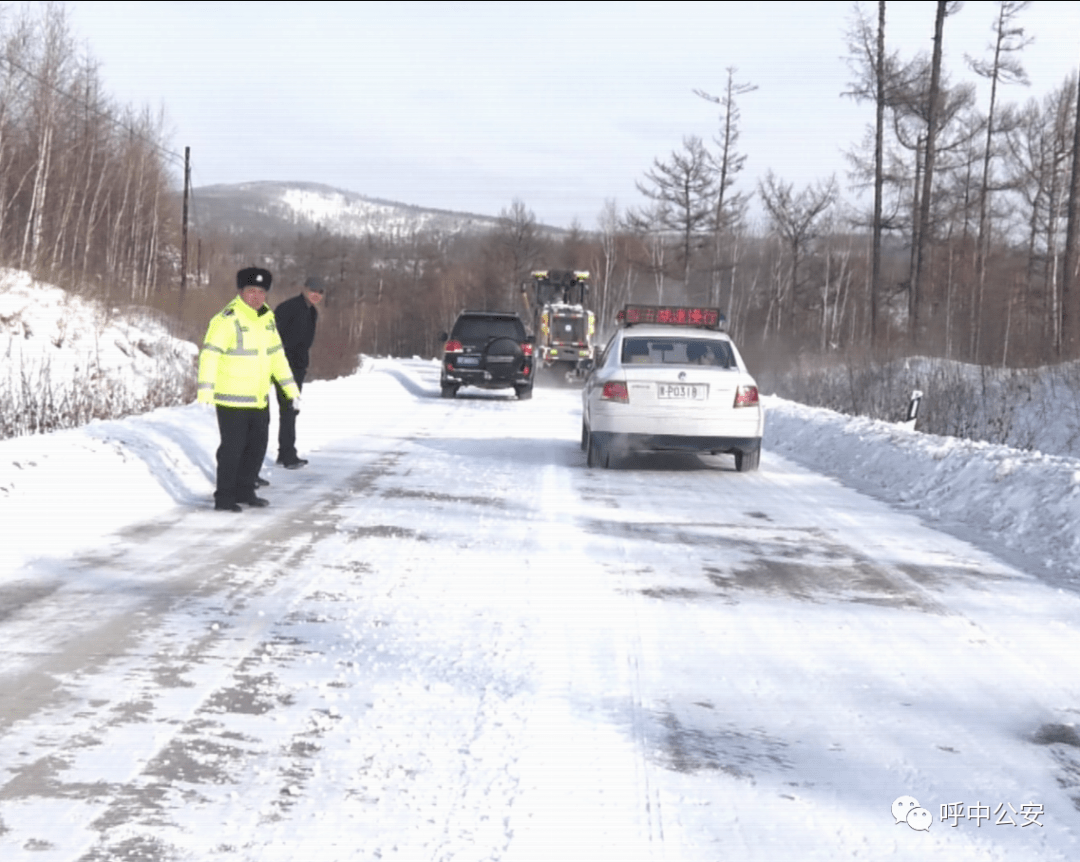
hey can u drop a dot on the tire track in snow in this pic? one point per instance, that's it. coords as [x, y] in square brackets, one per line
[180, 643]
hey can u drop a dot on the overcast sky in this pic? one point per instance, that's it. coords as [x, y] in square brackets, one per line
[467, 106]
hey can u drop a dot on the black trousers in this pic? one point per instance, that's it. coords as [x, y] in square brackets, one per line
[286, 425]
[244, 433]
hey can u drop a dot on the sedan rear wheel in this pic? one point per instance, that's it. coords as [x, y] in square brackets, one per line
[596, 455]
[747, 461]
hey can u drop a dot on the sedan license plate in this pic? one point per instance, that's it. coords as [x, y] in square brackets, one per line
[682, 391]
[468, 360]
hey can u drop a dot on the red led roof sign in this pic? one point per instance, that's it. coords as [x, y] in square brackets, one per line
[672, 315]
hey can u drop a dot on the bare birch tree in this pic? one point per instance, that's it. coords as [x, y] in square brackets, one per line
[1070, 290]
[727, 163]
[607, 296]
[922, 256]
[681, 190]
[868, 60]
[797, 218]
[519, 243]
[1004, 68]
[56, 51]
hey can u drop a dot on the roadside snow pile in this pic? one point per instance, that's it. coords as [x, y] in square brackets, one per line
[66, 361]
[1025, 408]
[1025, 503]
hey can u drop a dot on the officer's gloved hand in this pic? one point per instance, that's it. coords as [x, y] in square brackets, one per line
[295, 404]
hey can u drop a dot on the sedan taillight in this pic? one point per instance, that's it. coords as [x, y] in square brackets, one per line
[746, 396]
[615, 391]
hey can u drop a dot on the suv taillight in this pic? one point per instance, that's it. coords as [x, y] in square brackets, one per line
[615, 391]
[746, 396]
[452, 347]
[527, 349]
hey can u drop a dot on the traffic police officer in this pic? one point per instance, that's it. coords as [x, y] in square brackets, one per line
[240, 357]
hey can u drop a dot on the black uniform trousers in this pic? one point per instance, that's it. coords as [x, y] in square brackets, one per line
[244, 434]
[287, 424]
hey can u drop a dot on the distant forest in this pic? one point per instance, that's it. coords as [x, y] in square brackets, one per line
[963, 244]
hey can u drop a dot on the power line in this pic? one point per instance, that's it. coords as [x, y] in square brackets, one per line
[82, 104]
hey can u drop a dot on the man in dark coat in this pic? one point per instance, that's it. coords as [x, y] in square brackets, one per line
[296, 320]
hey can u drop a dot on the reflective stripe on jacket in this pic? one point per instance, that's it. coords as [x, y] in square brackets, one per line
[242, 352]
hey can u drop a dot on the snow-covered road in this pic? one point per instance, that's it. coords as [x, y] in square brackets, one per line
[449, 640]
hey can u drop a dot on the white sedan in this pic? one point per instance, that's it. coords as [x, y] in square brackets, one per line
[671, 380]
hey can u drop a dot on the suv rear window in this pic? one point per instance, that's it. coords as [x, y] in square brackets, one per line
[483, 328]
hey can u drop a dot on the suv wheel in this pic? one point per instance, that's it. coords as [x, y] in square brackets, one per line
[448, 390]
[502, 359]
[524, 393]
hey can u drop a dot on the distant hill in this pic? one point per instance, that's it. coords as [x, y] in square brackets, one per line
[275, 207]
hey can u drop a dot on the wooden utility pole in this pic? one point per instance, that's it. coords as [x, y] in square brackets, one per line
[183, 242]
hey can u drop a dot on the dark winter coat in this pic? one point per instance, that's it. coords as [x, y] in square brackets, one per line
[296, 319]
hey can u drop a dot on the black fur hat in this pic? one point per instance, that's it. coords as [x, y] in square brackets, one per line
[253, 276]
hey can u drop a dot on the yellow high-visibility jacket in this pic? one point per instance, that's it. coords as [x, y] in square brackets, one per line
[241, 354]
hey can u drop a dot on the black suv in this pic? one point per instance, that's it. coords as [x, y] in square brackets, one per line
[488, 349]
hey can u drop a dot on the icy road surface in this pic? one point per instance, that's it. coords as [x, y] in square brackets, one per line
[449, 640]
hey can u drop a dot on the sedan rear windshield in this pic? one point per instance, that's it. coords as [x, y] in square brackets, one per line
[677, 351]
[478, 329]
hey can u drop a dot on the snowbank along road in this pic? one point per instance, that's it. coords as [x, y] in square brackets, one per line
[448, 640]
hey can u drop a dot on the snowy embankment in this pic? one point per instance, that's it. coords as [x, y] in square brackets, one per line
[67, 359]
[1024, 506]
